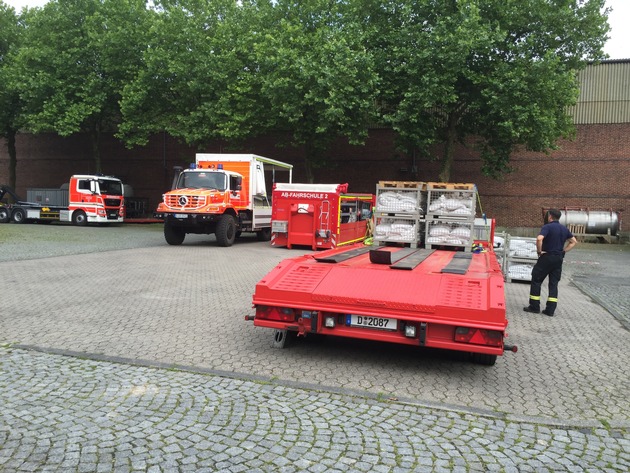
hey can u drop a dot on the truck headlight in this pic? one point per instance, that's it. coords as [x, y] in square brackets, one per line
[329, 321]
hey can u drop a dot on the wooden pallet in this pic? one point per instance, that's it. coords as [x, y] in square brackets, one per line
[403, 184]
[450, 186]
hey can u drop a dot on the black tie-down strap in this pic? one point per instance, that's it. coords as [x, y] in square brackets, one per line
[413, 260]
[346, 255]
[459, 264]
[385, 256]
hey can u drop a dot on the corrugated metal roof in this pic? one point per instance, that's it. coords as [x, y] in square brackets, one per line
[604, 94]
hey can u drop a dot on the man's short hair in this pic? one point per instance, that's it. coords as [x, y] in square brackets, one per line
[555, 213]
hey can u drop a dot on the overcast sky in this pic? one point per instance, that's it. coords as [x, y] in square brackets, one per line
[617, 47]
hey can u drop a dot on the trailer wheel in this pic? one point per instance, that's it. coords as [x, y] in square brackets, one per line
[4, 215]
[226, 230]
[19, 215]
[484, 359]
[264, 234]
[173, 235]
[79, 218]
[283, 338]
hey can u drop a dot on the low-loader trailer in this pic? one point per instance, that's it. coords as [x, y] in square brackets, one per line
[420, 297]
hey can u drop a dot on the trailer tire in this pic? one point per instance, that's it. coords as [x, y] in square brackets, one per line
[264, 234]
[226, 230]
[484, 359]
[283, 338]
[173, 235]
[18, 215]
[4, 215]
[79, 218]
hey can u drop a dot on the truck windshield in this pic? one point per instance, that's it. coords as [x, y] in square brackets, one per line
[110, 187]
[202, 180]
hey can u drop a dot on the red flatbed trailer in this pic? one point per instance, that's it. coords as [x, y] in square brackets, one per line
[420, 297]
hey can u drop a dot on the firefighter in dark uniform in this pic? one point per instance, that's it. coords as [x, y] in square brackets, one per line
[553, 241]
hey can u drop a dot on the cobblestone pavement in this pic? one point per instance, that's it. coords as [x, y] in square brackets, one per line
[122, 353]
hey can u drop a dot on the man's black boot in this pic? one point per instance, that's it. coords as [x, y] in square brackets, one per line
[547, 312]
[532, 310]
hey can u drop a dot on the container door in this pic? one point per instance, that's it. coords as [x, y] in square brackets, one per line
[302, 225]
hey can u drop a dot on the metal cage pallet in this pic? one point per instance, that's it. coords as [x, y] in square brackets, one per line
[454, 204]
[449, 233]
[520, 257]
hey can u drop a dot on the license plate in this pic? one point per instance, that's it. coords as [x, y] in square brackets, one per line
[181, 216]
[379, 323]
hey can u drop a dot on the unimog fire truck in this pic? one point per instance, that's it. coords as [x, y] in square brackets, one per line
[87, 199]
[222, 194]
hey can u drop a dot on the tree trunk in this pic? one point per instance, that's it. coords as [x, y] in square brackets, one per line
[96, 148]
[12, 158]
[310, 157]
[453, 119]
[449, 147]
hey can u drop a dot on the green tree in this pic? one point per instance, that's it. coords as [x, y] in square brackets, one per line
[228, 70]
[76, 58]
[495, 73]
[193, 62]
[10, 106]
[317, 76]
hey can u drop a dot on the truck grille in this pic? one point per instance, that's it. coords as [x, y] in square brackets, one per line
[174, 201]
[112, 202]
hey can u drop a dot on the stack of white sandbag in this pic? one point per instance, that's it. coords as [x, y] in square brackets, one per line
[452, 233]
[520, 271]
[398, 201]
[455, 204]
[396, 230]
[523, 248]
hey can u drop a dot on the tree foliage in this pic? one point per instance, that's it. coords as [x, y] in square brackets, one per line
[494, 74]
[318, 77]
[10, 104]
[76, 58]
[501, 72]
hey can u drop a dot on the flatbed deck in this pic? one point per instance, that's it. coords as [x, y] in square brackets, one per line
[434, 298]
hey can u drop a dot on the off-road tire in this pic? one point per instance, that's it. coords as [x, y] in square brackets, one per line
[226, 230]
[173, 235]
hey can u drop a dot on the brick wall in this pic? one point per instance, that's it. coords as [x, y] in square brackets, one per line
[592, 171]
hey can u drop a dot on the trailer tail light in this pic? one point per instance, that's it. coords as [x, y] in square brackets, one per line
[283, 314]
[478, 336]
